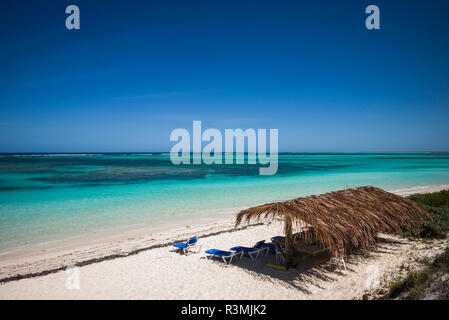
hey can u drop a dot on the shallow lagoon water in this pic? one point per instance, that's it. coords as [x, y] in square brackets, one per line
[48, 197]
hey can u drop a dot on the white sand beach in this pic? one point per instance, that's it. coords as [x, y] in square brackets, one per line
[144, 266]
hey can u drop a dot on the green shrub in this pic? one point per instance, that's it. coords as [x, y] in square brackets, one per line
[396, 287]
[434, 199]
[442, 261]
[416, 282]
[428, 229]
[438, 208]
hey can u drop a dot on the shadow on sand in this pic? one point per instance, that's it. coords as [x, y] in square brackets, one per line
[313, 269]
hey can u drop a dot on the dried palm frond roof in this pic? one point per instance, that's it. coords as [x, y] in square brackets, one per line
[345, 219]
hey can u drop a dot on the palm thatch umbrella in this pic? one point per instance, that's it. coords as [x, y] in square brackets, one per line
[341, 220]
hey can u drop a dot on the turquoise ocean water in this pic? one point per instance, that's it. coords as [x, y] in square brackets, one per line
[49, 197]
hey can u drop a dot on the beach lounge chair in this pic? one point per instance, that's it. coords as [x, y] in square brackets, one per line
[254, 251]
[280, 252]
[278, 241]
[222, 254]
[185, 246]
[268, 247]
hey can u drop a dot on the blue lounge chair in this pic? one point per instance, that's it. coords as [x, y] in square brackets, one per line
[279, 250]
[184, 246]
[222, 254]
[258, 247]
[268, 247]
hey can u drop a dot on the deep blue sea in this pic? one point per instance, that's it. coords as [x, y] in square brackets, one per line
[46, 197]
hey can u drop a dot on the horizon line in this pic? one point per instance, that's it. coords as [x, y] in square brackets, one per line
[168, 152]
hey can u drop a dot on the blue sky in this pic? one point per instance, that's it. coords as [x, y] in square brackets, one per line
[138, 69]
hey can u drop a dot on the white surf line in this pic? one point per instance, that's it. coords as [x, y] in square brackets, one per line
[420, 189]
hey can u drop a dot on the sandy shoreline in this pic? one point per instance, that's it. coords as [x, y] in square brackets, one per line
[420, 189]
[141, 265]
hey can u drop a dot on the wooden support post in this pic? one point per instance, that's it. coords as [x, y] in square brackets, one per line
[288, 243]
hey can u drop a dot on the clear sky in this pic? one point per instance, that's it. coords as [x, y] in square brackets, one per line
[138, 69]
